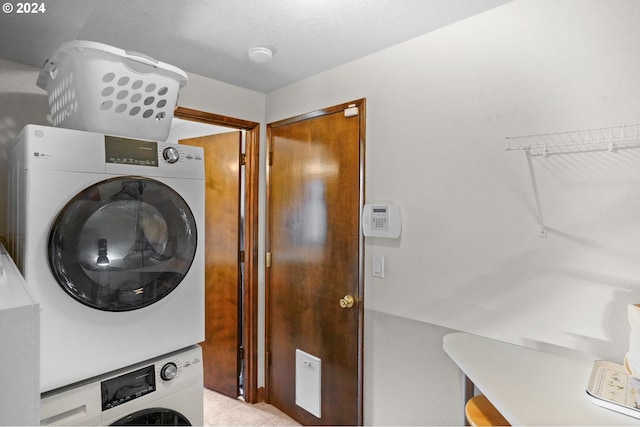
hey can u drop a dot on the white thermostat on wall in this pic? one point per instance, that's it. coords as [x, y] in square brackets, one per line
[381, 220]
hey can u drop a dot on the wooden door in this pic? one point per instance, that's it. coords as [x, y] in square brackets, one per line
[314, 249]
[221, 348]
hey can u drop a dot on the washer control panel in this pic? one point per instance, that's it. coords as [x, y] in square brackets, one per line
[127, 387]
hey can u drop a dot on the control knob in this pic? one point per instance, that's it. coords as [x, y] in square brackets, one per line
[171, 154]
[168, 371]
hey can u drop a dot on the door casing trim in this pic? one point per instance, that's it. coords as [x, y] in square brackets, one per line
[250, 297]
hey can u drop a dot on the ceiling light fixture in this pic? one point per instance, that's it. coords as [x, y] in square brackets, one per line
[260, 54]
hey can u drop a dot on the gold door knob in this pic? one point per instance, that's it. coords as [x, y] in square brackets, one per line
[347, 301]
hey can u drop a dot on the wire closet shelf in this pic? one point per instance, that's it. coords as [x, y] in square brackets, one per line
[609, 138]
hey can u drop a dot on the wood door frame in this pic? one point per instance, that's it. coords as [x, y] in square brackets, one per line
[361, 104]
[250, 297]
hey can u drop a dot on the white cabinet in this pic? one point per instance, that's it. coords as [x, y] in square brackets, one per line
[20, 348]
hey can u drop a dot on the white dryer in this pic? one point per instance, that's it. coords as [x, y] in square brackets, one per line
[109, 235]
[164, 391]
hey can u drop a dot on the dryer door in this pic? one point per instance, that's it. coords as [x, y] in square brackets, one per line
[122, 244]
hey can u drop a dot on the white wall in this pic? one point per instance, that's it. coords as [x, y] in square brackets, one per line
[439, 108]
[21, 103]
[408, 378]
[212, 96]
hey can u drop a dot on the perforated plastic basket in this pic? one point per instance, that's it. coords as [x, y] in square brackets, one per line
[101, 88]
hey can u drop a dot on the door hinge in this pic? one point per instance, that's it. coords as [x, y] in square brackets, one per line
[243, 159]
[241, 256]
[241, 353]
[268, 259]
[351, 111]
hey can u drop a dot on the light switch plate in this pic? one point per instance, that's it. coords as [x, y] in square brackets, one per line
[377, 268]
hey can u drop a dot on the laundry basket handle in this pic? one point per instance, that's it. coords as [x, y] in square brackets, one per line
[140, 63]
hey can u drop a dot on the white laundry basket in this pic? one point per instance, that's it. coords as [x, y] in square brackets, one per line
[100, 88]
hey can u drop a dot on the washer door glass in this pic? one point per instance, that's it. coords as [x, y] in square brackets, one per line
[122, 244]
[153, 417]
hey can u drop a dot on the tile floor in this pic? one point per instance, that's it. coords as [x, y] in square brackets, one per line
[220, 410]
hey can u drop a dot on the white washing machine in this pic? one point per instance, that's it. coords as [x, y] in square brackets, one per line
[162, 391]
[109, 235]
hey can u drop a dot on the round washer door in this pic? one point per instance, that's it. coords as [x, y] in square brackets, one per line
[122, 244]
[153, 417]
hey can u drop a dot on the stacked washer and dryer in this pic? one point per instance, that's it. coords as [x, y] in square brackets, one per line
[108, 233]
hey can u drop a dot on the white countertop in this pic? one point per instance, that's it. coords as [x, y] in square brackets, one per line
[13, 291]
[530, 387]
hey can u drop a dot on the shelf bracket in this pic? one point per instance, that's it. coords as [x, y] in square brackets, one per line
[536, 195]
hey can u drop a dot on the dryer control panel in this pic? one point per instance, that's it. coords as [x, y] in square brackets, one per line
[124, 151]
[151, 158]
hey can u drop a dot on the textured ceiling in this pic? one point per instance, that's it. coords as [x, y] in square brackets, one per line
[212, 37]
